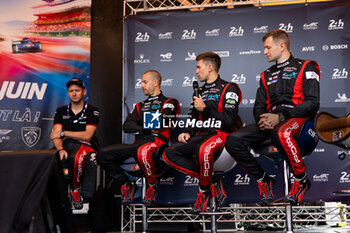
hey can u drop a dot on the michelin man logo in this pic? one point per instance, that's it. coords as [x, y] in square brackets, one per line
[151, 120]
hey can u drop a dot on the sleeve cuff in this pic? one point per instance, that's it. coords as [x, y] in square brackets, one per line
[206, 111]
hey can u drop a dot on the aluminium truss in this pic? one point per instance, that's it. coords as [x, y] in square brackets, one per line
[240, 217]
[132, 7]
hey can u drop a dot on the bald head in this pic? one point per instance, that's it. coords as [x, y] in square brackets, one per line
[154, 75]
[150, 83]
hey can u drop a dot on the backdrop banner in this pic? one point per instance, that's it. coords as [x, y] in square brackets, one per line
[43, 44]
[169, 43]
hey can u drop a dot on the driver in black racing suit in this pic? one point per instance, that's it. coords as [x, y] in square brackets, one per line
[147, 141]
[217, 105]
[287, 96]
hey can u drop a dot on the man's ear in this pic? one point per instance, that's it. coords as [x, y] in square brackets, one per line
[85, 91]
[283, 46]
[211, 67]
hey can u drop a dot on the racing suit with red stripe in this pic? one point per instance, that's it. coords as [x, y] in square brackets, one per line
[147, 141]
[290, 89]
[80, 153]
[196, 157]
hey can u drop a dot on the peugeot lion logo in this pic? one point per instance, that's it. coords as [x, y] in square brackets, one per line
[31, 135]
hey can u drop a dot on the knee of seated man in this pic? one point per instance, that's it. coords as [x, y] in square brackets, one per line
[168, 154]
[101, 156]
[232, 140]
[277, 136]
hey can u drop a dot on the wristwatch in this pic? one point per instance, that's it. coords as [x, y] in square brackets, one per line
[62, 134]
[281, 117]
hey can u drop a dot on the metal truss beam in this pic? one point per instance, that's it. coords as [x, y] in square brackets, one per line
[133, 7]
[241, 216]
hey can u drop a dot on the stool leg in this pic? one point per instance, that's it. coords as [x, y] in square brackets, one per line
[213, 216]
[289, 217]
[144, 207]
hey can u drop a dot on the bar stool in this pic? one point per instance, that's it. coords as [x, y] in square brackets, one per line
[307, 141]
[223, 163]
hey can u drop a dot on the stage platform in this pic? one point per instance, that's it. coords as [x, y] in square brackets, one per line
[313, 230]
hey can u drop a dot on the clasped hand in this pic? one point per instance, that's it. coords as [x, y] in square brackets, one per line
[268, 121]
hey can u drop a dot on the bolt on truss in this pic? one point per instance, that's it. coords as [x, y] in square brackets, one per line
[132, 7]
[241, 216]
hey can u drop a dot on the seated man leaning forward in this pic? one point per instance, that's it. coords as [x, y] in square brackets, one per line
[73, 135]
[194, 154]
[147, 141]
[288, 94]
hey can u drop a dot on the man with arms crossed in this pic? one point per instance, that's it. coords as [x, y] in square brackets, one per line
[288, 94]
[73, 135]
[147, 141]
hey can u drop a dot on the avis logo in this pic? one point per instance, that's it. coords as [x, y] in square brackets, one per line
[188, 35]
[142, 37]
[345, 178]
[286, 27]
[342, 98]
[191, 181]
[236, 31]
[308, 49]
[31, 135]
[335, 25]
[242, 180]
[152, 120]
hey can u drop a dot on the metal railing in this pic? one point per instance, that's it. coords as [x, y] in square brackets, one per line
[241, 217]
[133, 7]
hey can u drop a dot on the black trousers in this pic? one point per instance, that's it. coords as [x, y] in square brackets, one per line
[82, 167]
[111, 157]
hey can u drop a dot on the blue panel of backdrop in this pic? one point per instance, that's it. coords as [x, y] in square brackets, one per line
[169, 43]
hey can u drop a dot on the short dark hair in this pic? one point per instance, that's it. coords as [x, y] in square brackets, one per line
[212, 58]
[279, 35]
[75, 81]
[155, 75]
